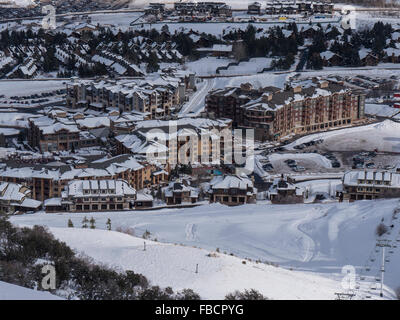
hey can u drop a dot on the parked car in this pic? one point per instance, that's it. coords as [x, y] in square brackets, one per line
[370, 165]
[287, 161]
[268, 167]
[335, 164]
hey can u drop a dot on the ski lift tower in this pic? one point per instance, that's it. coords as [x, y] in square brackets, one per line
[384, 243]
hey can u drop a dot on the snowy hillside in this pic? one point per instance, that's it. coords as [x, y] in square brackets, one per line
[383, 136]
[318, 238]
[175, 266]
[10, 291]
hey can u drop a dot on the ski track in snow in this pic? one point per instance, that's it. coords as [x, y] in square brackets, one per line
[190, 232]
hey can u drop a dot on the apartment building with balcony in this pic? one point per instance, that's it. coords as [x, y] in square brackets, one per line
[370, 184]
[98, 195]
[299, 7]
[47, 134]
[305, 107]
[192, 140]
[46, 182]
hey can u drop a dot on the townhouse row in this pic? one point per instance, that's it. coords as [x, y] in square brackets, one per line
[156, 97]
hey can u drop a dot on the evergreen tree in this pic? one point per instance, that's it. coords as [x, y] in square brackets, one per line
[70, 224]
[85, 222]
[108, 224]
[152, 65]
[92, 223]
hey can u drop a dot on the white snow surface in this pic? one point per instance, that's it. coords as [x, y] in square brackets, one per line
[10, 291]
[175, 265]
[316, 158]
[316, 238]
[383, 136]
[11, 88]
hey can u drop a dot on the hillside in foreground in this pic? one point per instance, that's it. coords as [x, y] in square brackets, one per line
[315, 239]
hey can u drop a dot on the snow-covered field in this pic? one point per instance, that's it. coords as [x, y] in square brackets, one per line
[208, 65]
[10, 88]
[175, 266]
[316, 238]
[257, 81]
[253, 66]
[383, 136]
[10, 291]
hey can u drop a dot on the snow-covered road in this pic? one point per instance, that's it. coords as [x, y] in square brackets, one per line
[197, 102]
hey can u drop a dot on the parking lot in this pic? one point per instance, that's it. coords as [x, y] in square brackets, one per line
[315, 157]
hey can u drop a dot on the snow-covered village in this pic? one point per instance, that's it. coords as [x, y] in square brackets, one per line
[187, 150]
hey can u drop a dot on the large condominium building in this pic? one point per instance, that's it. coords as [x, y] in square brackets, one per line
[306, 107]
[192, 140]
[203, 8]
[47, 134]
[46, 181]
[370, 184]
[296, 7]
[97, 195]
[155, 97]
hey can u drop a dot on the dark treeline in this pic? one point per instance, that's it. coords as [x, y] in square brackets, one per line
[24, 251]
[126, 44]
[281, 44]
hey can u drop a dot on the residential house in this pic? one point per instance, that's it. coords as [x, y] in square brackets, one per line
[284, 192]
[180, 192]
[254, 8]
[232, 190]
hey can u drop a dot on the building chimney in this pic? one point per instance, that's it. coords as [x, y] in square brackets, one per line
[246, 86]
[267, 96]
[297, 89]
[323, 84]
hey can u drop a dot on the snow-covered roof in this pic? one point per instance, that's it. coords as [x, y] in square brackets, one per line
[231, 182]
[372, 178]
[77, 188]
